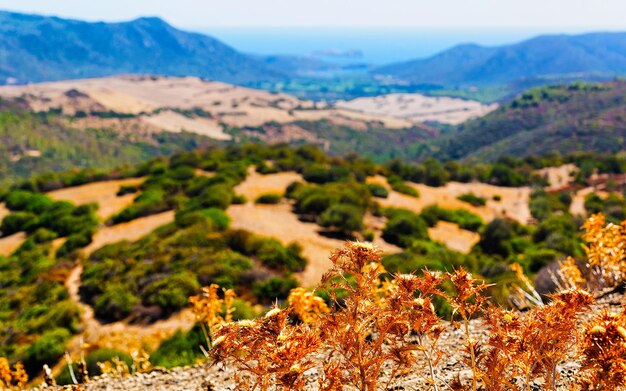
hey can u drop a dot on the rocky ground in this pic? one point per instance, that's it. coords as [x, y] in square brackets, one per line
[220, 378]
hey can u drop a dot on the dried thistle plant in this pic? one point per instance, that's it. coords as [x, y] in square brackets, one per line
[211, 310]
[603, 348]
[306, 306]
[468, 301]
[377, 323]
[270, 351]
[606, 249]
[531, 345]
[12, 378]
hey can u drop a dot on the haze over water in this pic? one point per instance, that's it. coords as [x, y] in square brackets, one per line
[378, 45]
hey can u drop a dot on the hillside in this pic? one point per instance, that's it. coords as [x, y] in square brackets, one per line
[121, 251]
[32, 144]
[575, 118]
[541, 60]
[38, 48]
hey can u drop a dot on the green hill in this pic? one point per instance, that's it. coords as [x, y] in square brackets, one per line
[37, 48]
[578, 117]
[34, 143]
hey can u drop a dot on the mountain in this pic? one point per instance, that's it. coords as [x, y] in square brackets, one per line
[564, 118]
[38, 48]
[545, 58]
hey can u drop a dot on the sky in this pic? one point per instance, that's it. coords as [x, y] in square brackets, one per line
[551, 15]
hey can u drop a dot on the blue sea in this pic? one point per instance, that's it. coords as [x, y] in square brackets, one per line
[366, 45]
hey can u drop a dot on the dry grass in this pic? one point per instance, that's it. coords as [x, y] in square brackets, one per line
[513, 203]
[453, 237]
[558, 177]
[257, 184]
[102, 193]
[9, 244]
[280, 222]
[174, 122]
[232, 105]
[419, 108]
[577, 207]
[131, 231]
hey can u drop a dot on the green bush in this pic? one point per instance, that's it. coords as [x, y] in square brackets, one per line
[473, 199]
[344, 218]
[172, 293]
[47, 349]
[217, 219]
[400, 186]
[403, 227]
[274, 288]
[115, 303]
[180, 349]
[378, 190]
[466, 220]
[269, 198]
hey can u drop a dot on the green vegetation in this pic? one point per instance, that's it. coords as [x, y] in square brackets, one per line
[269, 198]
[60, 147]
[44, 220]
[564, 118]
[335, 205]
[377, 190]
[472, 199]
[403, 227]
[153, 277]
[466, 220]
[613, 206]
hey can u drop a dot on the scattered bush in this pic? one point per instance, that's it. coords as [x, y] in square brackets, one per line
[473, 199]
[269, 198]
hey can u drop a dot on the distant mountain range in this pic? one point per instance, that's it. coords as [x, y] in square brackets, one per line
[37, 48]
[540, 60]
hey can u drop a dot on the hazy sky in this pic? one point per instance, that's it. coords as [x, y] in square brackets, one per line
[550, 14]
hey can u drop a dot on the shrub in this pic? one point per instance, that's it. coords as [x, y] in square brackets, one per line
[181, 349]
[171, 293]
[115, 303]
[473, 199]
[398, 185]
[378, 190]
[403, 227]
[274, 288]
[344, 218]
[466, 220]
[269, 198]
[47, 349]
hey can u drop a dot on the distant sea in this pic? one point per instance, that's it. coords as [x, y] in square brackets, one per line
[366, 45]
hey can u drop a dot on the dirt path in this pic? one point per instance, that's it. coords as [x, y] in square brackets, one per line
[121, 335]
[102, 193]
[131, 231]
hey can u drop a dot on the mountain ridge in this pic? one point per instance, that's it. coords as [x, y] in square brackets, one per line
[550, 57]
[37, 48]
